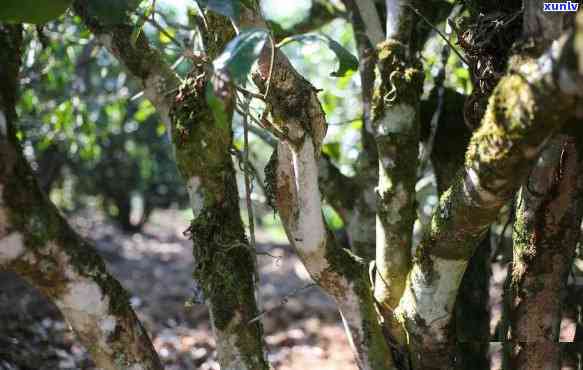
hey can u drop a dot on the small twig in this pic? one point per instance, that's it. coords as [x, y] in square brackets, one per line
[161, 29]
[283, 302]
[248, 190]
[444, 37]
[271, 63]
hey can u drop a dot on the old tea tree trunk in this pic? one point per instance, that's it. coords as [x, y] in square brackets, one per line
[202, 141]
[397, 301]
[38, 244]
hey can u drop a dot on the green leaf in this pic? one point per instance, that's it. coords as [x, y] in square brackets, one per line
[32, 11]
[142, 21]
[346, 61]
[228, 8]
[241, 52]
[332, 150]
[217, 106]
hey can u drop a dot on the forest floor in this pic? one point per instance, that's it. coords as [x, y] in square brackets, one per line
[155, 266]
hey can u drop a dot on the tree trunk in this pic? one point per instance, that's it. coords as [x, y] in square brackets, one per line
[38, 244]
[545, 236]
[524, 110]
[225, 268]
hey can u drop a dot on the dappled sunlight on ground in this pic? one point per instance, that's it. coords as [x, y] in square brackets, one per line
[156, 266]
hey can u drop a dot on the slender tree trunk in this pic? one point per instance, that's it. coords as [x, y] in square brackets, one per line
[38, 244]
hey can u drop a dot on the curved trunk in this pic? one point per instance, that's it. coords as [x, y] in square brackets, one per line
[38, 244]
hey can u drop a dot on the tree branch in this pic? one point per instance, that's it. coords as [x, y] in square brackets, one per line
[362, 222]
[38, 244]
[294, 106]
[371, 20]
[396, 130]
[546, 233]
[321, 13]
[525, 109]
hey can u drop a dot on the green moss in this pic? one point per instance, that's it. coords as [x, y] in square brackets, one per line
[224, 260]
[401, 78]
[344, 262]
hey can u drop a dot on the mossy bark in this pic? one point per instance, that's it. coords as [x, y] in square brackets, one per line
[223, 257]
[546, 233]
[524, 110]
[472, 316]
[397, 132]
[38, 244]
[202, 143]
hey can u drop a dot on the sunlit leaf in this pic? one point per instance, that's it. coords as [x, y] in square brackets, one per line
[217, 106]
[346, 61]
[333, 150]
[241, 52]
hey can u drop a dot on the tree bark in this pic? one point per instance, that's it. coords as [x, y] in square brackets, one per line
[396, 130]
[525, 109]
[225, 267]
[38, 244]
[546, 233]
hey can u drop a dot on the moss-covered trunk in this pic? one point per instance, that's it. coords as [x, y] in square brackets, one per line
[546, 233]
[202, 143]
[224, 260]
[38, 244]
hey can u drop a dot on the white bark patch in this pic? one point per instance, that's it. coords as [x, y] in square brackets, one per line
[195, 194]
[107, 325]
[433, 301]
[397, 119]
[11, 247]
[3, 125]
[311, 233]
[394, 11]
[85, 298]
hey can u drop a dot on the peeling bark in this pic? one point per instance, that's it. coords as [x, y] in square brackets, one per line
[38, 244]
[296, 110]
